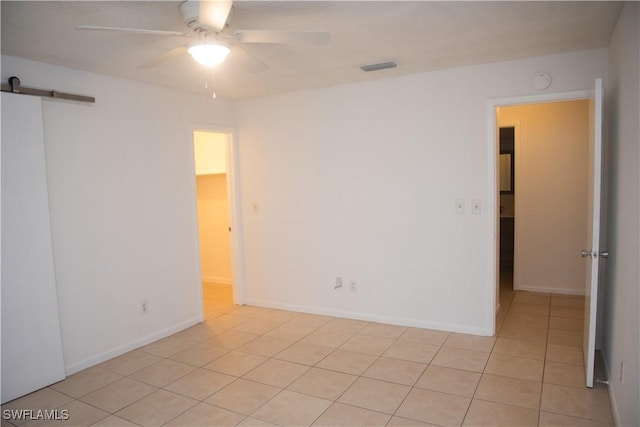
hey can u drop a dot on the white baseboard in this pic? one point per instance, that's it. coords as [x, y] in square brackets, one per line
[391, 320]
[132, 345]
[217, 280]
[612, 394]
[549, 290]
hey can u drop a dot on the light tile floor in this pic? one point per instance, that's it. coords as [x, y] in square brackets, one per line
[254, 366]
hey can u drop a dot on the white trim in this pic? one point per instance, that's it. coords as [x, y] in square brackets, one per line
[611, 389]
[492, 285]
[390, 320]
[550, 290]
[233, 191]
[131, 345]
[215, 280]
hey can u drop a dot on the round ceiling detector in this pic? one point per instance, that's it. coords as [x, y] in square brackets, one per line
[542, 80]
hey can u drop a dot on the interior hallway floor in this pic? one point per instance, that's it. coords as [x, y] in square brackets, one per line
[254, 366]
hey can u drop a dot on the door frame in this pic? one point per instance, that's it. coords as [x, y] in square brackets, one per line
[492, 298]
[234, 201]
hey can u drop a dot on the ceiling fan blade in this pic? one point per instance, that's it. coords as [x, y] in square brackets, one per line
[213, 14]
[131, 30]
[247, 60]
[167, 56]
[277, 36]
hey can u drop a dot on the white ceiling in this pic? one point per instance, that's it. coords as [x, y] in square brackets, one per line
[418, 35]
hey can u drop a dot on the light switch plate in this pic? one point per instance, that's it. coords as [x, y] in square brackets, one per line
[459, 206]
[476, 206]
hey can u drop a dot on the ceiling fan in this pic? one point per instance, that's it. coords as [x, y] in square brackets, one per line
[207, 20]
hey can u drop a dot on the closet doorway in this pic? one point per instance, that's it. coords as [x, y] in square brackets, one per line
[216, 210]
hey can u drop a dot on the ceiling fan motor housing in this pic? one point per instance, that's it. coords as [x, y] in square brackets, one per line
[189, 10]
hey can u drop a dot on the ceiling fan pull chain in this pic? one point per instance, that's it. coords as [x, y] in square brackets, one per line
[213, 82]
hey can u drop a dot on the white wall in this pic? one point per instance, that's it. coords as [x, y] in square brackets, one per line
[360, 181]
[621, 342]
[120, 176]
[550, 195]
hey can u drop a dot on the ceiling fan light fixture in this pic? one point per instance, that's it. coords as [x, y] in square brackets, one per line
[210, 53]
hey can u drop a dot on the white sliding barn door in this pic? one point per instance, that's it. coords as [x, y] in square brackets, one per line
[31, 341]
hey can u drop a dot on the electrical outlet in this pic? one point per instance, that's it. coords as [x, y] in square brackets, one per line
[459, 206]
[338, 283]
[143, 307]
[354, 286]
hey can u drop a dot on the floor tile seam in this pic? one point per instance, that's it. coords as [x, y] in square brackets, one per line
[395, 413]
[229, 410]
[485, 373]
[391, 382]
[253, 414]
[244, 376]
[361, 377]
[253, 332]
[466, 411]
[295, 339]
[420, 342]
[237, 347]
[575, 416]
[3, 407]
[61, 406]
[449, 393]
[473, 394]
[90, 391]
[162, 386]
[457, 348]
[109, 413]
[564, 316]
[372, 410]
[379, 336]
[508, 404]
[180, 414]
[538, 410]
[469, 349]
[370, 354]
[156, 388]
[582, 387]
[205, 363]
[518, 357]
[572, 330]
[606, 422]
[514, 378]
[544, 365]
[133, 403]
[193, 398]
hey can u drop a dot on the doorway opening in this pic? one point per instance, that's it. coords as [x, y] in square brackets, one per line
[217, 223]
[510, 209]
[507, 132]
[557, 227]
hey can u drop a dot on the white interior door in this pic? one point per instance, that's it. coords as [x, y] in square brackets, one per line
[592, 254]
[31, 340]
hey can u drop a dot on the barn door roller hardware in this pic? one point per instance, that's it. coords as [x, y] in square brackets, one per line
[13, 86]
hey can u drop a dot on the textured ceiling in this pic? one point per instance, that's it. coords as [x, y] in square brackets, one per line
[418, 35]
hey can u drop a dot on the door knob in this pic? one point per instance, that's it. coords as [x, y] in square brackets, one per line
[585, 253]
[604, 254]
